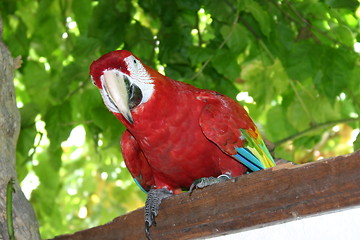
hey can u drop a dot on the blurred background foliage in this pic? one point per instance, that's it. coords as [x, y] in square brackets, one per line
[294, 65]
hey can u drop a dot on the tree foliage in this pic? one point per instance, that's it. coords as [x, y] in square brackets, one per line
[293, 62]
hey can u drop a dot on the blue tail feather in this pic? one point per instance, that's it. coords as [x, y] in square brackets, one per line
[245, 156]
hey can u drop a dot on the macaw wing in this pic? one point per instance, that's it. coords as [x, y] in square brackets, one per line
[227, 124]
[136, 162]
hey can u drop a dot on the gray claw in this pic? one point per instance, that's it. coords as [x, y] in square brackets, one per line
[152, 207]
[207, 181]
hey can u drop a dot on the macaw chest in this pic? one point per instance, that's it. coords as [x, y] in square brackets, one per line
[181, 154]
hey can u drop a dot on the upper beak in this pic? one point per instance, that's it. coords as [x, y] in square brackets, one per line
[116, 88]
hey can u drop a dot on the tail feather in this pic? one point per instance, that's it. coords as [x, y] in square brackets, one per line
[248, 159]
[268, 161]
[254, 154]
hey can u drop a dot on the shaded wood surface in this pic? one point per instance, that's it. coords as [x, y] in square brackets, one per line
[257, 199]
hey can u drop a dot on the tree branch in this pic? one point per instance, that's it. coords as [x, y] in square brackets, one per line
[314, 128]
[23, 218]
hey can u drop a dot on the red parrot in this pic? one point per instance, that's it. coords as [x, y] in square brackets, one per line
[178, 137]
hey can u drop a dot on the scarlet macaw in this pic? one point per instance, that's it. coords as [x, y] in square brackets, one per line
[178, 137]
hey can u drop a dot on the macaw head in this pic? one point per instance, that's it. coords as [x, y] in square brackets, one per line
[123, 80]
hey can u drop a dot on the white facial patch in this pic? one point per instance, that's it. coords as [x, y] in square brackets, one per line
[140, 77]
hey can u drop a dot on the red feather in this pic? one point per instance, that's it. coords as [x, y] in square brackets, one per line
[181, 133]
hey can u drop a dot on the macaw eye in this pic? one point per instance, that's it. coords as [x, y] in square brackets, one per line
[135, 96]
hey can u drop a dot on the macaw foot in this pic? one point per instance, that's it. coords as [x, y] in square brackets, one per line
[152, 207]
[204, 182]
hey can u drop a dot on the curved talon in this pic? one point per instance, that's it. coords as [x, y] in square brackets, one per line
[194, 185]
[153, 218]
[147, 230]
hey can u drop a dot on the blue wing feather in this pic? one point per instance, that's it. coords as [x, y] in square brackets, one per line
[137, 182]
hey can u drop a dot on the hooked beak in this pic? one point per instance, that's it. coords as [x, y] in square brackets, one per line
[116, 87]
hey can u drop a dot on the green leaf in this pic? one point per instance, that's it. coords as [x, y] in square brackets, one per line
[266, 80]
[49, 27]
[84, 102]
[48, 176]
[18, 41]
[350, 4]
[308, 141]
[297, 116]
[278, 77]
[225, 62]
[59, 122]
[36, 81]
[142, 47]
[334, 76]
[28, 113]
[260, 15]
[322, 110]
[110, 29]
[26, 138]
[82, 12]
[318, 9]
[58, 126]
[86, 47]
[220, 10]
[282, 40]
[356, 143]
[277, 126]
[254, 73]
[343, 34]
[296, 61]
[198, 55]
[284, 154]
[24, 144]
[235, 37]
[110, 125]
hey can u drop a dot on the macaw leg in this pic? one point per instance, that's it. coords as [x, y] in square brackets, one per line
[152, 204]
[204, 182]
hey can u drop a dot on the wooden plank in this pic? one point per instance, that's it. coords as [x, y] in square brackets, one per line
[249, 201]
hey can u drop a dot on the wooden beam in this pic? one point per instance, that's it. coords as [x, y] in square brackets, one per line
[257, 199]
